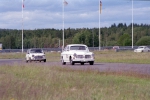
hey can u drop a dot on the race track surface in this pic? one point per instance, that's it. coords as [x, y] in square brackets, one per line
[102, 67]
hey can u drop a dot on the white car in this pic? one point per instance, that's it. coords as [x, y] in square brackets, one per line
[115, 47]
[35, 54]
[142, 49]
[77, 53]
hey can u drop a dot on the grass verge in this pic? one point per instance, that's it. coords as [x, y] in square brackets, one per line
[30, 82]
[122, 57]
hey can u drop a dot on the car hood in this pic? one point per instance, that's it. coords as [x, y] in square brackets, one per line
[37, 54]
[81, 52]
[139, 49]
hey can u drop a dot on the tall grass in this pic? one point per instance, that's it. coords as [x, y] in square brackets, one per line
[12, 55]
[122, 57]
[35, 82]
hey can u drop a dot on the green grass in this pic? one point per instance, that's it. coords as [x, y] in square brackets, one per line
[50, 56]
[12, 55]
[122, 57]
[30, 82]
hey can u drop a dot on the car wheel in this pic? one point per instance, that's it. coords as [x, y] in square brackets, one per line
[62, 61]
[26, 61]
[91, 62]
[82, 63]
[44, 60]
[71, 62]
[30, 60]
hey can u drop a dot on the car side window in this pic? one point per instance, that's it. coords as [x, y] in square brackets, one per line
[67, 48]
[87, 49]
[82, 48]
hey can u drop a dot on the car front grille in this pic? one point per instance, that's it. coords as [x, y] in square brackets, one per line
[84, 56]
[87, 56]
[80, 56]
[38, 57]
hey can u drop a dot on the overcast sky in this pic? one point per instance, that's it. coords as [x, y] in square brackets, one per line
[39, 14]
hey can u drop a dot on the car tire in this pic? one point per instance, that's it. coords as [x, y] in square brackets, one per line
[91, 62]
[71, 62]
[82, 63]
[62, 61]
[30, 60]
[44, 60]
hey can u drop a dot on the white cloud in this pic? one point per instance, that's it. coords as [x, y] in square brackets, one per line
[78, 13]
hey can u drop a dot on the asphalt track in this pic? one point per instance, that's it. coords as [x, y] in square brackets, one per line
[102, 67]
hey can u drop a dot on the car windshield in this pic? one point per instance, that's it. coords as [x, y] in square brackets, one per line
[77, 48]
[36, 51]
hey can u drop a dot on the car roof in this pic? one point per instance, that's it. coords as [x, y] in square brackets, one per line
[34, 48]
[76, 45]
[142, 46]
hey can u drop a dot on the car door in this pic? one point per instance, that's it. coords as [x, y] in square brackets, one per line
[64, 54]
[27, 55]
[67, 54]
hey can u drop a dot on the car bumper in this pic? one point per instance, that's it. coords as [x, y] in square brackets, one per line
[38, 58]
[138, 51]
[82, 60]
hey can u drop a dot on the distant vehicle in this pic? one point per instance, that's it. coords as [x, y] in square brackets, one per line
[115, 47]
[142, 49]
[77, 53]
[35, 54]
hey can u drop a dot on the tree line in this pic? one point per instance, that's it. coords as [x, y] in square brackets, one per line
[120, 35]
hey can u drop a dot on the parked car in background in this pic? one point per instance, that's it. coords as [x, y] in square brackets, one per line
[115, 47]
[142, 49]
[35, 54]
[77, 53]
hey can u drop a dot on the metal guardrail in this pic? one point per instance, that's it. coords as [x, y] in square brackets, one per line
[59, 49]
[121, 48]
[25, 50]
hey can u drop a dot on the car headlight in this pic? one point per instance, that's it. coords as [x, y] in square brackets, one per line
[92, 55]
[75, 55]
